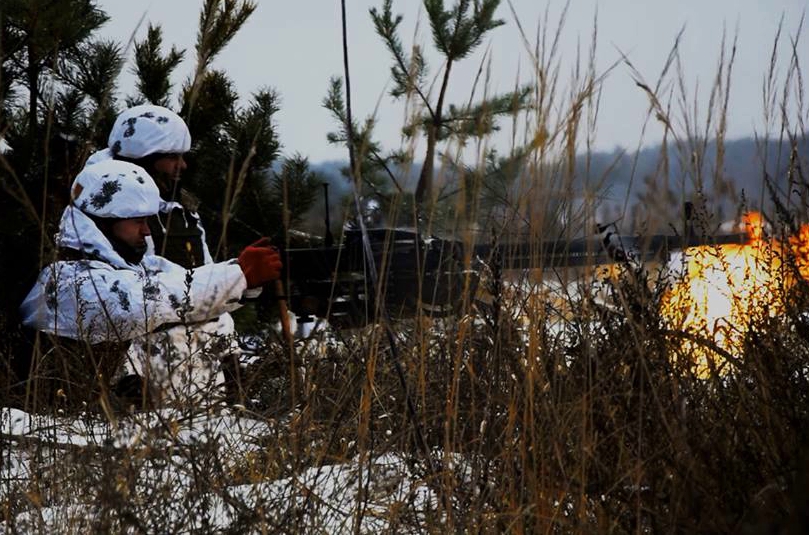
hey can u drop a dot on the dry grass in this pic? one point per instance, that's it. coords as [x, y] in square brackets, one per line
[591, 420]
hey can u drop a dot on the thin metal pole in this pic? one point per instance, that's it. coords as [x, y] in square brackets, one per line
[369, 259]
[328, 239]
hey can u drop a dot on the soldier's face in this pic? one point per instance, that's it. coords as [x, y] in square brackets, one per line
[132, 232]
[167, 170]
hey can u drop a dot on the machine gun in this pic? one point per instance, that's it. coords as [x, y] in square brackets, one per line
[430, 274]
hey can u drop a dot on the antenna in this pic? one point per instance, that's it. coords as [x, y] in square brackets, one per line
[328, 238]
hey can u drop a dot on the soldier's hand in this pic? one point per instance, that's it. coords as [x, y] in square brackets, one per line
[260, 263]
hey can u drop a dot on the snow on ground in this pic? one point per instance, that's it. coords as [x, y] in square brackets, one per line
[331, 497]
[154, 469]
[231, 430]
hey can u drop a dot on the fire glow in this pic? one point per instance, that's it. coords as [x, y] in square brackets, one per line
[726, 289]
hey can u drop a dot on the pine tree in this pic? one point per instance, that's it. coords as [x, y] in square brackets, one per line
[381, 186]
[456, 33]
[154, 70]
[57, 87]
[295, 187]
[58, 84]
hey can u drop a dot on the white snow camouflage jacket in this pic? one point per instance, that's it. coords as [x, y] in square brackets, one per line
[176, 319]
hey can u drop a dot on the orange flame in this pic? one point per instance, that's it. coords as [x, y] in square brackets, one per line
[726, 288]
[753, 225]
[799, 245]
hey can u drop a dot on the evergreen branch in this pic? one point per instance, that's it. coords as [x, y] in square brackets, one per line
[477, 120]
[93, 68]
[154, 70]
[383, 163]
[219, 21]
[438, 23]
[407, 79]
[214, 107]
[455, 33]
[335, 103]
[302, 187]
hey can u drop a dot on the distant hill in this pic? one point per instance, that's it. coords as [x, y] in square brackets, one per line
[646, 183]
[745, 163]
[640, 180]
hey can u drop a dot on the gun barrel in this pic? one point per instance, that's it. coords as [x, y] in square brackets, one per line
[595, 250]
[525, 255]
[331, 281]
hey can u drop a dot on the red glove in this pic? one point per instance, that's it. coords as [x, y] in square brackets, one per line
[260, 263]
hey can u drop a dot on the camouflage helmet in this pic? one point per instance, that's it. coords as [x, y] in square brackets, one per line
[115, 189]
[148, 129]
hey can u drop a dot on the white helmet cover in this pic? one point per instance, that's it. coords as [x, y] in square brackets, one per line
[115, 189]
[148, 129]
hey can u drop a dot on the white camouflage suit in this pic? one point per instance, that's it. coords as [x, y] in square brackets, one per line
[176, 319]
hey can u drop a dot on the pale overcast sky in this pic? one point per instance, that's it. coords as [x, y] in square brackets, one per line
[295, 47]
